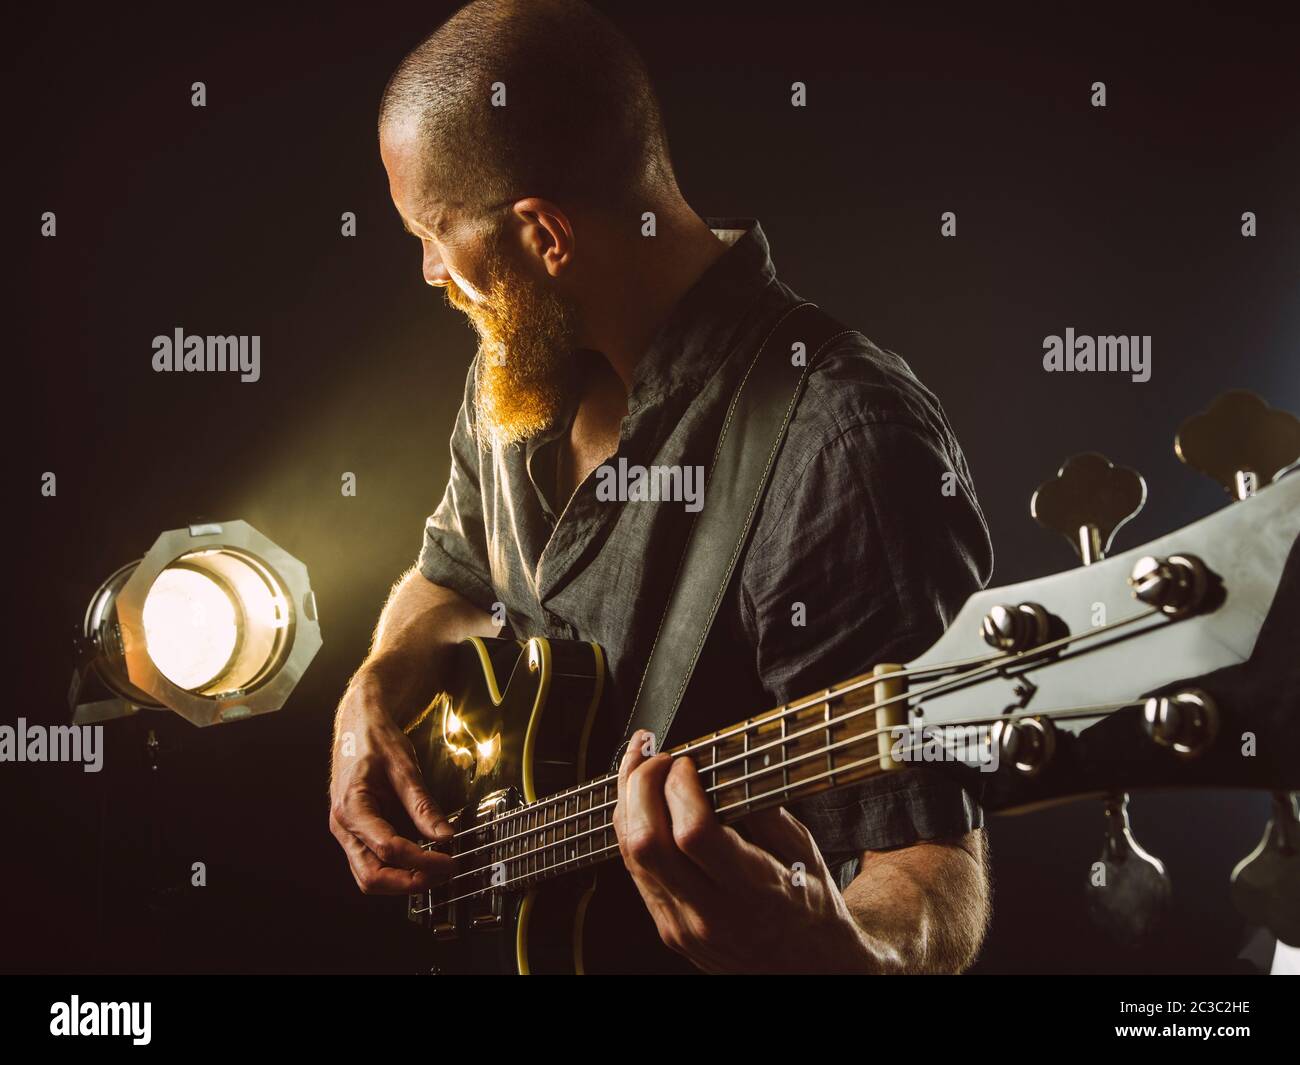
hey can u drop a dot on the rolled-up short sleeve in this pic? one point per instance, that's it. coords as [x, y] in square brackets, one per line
[872, 541]
[454, 553]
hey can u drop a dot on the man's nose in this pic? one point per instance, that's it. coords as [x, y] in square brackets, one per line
[435, 270]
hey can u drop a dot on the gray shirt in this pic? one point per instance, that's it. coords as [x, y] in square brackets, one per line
[856, 526]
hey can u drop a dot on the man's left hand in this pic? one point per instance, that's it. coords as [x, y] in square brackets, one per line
[729, 904]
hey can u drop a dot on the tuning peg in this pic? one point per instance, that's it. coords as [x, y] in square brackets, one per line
[1087, 501]
[1129, 889]
[1266, 883]
[1186, 722]
[1240, 442]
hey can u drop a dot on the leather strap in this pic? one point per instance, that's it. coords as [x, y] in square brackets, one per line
[747, 450]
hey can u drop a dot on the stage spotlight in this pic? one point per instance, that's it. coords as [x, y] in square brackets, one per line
[216, 623]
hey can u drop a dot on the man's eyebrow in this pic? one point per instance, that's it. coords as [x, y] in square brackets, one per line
[407, 226]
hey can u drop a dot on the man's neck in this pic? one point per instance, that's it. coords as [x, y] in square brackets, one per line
[648, 277]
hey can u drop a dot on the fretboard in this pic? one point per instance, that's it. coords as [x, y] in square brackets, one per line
[825, 741]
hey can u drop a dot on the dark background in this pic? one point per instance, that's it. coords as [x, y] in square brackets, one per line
[226, 220]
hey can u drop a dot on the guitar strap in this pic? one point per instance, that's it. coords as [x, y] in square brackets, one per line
[751, 438]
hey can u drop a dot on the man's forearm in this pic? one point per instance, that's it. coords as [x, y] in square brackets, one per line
[420, 624]
[924, 908]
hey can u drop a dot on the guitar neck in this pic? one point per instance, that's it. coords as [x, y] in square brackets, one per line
[823, 742]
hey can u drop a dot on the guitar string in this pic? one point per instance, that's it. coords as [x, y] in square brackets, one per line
[609, 850]
[985, 665]
[944, 686]
[541, 828]
[561, 843]
[614, 847]
[541, 806]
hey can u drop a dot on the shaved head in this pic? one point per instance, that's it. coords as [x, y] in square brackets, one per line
[518, 98]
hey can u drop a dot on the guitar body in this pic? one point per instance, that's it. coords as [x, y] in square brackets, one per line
[515, 726]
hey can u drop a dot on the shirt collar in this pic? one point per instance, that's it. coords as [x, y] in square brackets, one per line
[697, 332]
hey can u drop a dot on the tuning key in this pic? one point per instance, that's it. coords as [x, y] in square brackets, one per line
[1185, 721]
[1266, 883]
[1016, 628]
[1087, 501]
[1025, 743]
[1129, 890]
[1179, 585]
[1240, 442]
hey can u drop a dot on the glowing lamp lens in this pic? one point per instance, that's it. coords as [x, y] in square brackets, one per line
[215, 622]
[191, 627]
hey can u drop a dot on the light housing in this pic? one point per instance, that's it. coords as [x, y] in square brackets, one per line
[216, 622]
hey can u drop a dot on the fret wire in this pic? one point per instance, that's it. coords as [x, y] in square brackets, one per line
[713, 762]
[745, 761]
[606, 819]
[785, 769]
[830, 738]
[580, 819]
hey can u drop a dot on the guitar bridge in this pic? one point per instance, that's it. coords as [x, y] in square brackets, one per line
[471, 900]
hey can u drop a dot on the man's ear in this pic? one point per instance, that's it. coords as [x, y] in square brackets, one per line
[547, 234]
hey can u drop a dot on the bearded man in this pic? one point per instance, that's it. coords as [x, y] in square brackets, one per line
[525, 151]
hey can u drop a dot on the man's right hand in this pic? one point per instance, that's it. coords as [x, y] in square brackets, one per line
[374, 771]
